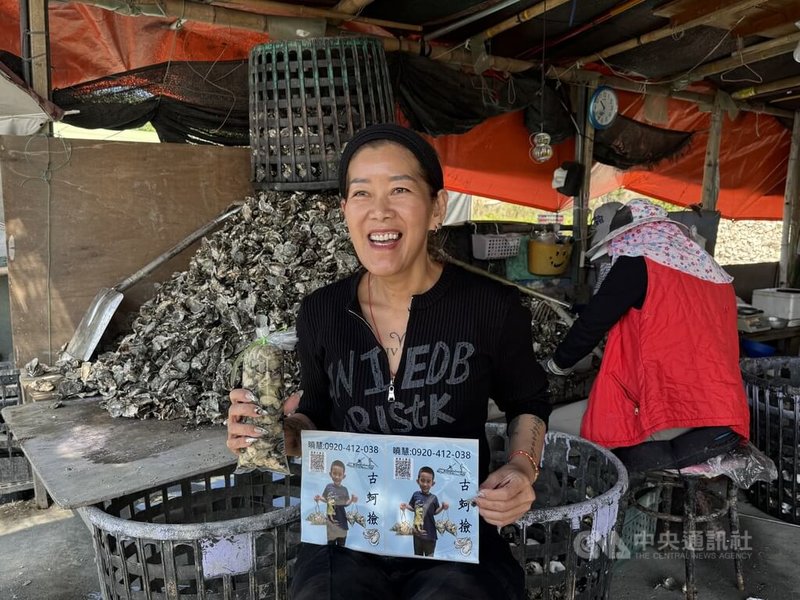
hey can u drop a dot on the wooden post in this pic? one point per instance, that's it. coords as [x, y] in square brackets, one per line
[711, 166]
[39, 43]
[791, 211]
[584, 152]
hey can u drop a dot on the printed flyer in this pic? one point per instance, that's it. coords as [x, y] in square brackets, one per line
[395, 495]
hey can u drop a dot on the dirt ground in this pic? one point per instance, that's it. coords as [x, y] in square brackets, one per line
[48, 555]
[45, 554]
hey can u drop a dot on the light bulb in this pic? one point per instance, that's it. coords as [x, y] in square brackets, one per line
[541, 139]
[542, 153]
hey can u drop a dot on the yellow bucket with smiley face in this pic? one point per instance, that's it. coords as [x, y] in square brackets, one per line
[548, 258]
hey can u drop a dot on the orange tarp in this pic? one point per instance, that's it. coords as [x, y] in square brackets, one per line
[493, 160]
[753, 158]
[88, 43]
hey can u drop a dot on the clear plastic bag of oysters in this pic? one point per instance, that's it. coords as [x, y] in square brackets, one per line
[261, 364]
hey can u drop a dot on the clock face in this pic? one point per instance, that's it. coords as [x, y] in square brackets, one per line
[603, 108]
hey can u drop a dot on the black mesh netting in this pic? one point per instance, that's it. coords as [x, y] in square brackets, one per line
[438, 100]
[628, 143]
[207, 103]
[200, 102]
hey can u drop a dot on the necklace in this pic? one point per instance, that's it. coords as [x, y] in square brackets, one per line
[378, 334]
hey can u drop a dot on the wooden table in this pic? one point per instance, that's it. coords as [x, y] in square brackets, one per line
[84, 456]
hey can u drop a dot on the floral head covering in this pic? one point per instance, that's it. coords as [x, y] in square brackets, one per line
[653, 235]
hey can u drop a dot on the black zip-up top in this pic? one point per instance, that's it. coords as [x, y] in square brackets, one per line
[468, 339]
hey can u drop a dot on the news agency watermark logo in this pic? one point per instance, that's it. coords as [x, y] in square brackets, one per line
[667, 545]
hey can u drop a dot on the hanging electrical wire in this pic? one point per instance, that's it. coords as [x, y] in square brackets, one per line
[541, 150]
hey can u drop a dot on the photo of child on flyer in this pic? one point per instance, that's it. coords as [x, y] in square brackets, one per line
[425, 506]
[337, 498]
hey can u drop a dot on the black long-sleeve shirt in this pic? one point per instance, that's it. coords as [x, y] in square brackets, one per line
[468, 339]
[624, 287]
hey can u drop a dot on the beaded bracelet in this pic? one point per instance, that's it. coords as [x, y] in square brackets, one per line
[534, 464]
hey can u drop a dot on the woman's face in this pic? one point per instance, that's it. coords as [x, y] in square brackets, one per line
[389, 209]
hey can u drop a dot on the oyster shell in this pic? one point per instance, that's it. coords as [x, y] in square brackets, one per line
[176, 361]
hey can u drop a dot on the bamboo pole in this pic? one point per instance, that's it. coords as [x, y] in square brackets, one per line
[560, 307]
[659, 34]
[557, 304]
[456, 55]
[790, 96]
[521, 17]
[790, 235]
[215, 15]
[270, 8]
[571, 33]
[590, 78]
[767, 88]
[463, 22]
[218, 15]
[751, 54]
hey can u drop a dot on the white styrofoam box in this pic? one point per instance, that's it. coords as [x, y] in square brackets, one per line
[778, 302]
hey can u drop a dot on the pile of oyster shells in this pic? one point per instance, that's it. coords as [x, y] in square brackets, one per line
[252, 273]
[176, 363]
[547, 328]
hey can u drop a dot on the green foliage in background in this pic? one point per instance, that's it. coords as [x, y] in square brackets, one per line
[485, 209]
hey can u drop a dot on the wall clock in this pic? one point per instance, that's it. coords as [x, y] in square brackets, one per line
[603, 107]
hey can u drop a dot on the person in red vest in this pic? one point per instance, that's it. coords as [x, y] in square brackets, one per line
[669, 392]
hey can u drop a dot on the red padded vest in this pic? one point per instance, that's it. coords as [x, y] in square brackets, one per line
[672, 363]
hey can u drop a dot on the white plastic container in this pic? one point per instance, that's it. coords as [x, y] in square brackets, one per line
[778, 302]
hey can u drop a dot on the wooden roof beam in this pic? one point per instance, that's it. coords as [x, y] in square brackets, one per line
[791, 96]
[786, 15]
[592, 78]
[659, 34]
[281, 9]
[217, 15]
[683, 12]
[748, 55]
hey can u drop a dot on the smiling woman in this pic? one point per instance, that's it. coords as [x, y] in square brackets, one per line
[410, 346]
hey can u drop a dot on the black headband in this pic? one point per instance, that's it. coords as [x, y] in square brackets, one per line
[407, 138]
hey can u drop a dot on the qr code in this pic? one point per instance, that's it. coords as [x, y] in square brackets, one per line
[316, 461]
[402, 467]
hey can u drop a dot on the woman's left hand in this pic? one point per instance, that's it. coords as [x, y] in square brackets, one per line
[505, 496]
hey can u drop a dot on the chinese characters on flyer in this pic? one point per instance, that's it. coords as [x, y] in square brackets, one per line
[391, 494]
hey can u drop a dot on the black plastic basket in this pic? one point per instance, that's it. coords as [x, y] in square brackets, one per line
[307, 100]
[568, 542]
[15, 470]
[216, 536]
[773, 392]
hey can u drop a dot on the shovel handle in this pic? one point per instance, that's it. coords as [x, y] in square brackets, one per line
[175, 250]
